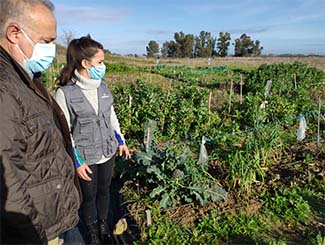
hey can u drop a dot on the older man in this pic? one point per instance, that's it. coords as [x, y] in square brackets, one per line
[39, 194]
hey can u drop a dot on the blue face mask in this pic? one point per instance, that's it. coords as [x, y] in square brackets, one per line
[42, 56]
[97, 72]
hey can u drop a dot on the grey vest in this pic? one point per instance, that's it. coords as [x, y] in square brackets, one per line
[92, 133]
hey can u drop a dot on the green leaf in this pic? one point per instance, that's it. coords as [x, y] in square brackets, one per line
[165, 201]
[198, 197]
[156, 191]
[154, 170]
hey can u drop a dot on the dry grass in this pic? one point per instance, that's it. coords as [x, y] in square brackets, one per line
[242, 62]
[238, 62]
[126, 79]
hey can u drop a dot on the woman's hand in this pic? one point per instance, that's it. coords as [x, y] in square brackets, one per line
[83, 170]
[125, 149]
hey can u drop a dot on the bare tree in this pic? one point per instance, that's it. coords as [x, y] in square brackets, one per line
[67, 37]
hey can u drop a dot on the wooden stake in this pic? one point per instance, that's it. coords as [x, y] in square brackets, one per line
[295, 80]
[241, 88]
[149, 220]
[281, 87]
[130, 101]
[147, 140]
[230, 94]
[209, 101]
[318, 123]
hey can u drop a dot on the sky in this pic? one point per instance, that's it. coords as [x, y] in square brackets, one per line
[126, 26]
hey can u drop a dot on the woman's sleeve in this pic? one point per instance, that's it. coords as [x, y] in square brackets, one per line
[60, 99]
[116, 127]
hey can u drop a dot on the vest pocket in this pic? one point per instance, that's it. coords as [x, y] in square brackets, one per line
[85, 125]
[77, 105]
[111, 145]
[89, 153]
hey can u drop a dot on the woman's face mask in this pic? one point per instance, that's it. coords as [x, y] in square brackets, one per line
[97, 72]
[42, 56]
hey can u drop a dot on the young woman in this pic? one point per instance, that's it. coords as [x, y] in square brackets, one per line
[88, 107]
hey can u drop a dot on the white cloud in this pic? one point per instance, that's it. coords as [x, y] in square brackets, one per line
[83, 14]
[249, 30]
[157, 32]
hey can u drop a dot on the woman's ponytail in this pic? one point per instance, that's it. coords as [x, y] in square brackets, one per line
[67, 71]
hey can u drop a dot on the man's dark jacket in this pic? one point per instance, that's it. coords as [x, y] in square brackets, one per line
[40, 194]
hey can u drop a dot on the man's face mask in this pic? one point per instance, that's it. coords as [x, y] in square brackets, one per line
[42, 56]
[97, 72]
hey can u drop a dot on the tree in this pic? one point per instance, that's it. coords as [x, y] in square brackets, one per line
[204, 45]
[152, 49]
[186, 43]
[164, 49]
[238, 47]
[170, 49]
[223, 44]
[245, 46]
[173, 49]
[67, 37]
[188, 46]
[257, 50]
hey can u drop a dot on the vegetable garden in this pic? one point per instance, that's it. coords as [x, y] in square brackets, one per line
[222, 155]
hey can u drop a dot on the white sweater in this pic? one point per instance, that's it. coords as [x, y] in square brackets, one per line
[89, 89]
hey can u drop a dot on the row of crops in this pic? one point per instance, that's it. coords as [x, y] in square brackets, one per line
[251, 182]
[245, 146]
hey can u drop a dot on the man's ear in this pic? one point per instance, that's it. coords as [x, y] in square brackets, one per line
[13, 33]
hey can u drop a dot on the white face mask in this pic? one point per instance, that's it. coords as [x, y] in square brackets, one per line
[42, 56]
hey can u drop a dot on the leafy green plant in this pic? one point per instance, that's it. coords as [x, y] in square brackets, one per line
[51, 75]
[181, 112]
[291, 93]
[186, 112]
[232, 227]
[123, 68]
[210, 229]
[190, 75]
[319, 239]
[136, 104]
[286, 78]
[287, 205]
[277, 242]
[176, 178]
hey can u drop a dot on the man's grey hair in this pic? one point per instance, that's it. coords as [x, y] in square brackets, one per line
[16, 10]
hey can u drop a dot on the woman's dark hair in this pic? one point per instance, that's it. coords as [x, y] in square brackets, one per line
[78, 49]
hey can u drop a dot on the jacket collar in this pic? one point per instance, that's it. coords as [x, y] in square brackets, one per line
[34, 84]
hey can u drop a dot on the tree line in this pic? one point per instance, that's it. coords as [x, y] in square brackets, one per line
[204, 45]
